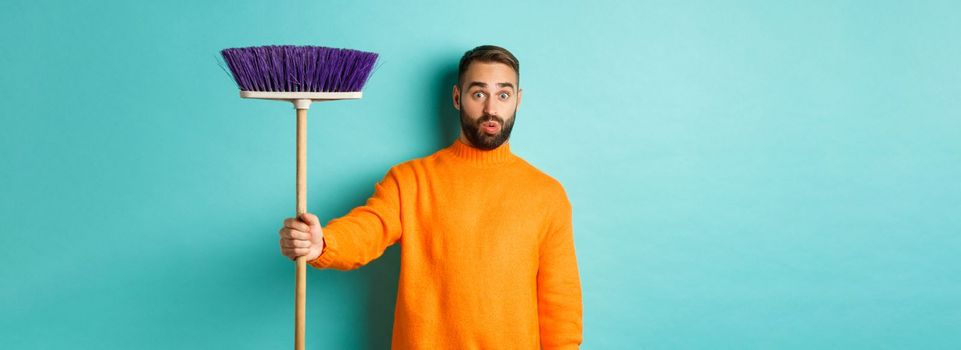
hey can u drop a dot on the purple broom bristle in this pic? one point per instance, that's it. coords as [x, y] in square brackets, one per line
[291, 68]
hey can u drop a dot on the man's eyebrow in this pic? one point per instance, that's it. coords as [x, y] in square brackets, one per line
[506, 85]
[476, 83]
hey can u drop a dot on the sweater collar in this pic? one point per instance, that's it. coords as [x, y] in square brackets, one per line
[478, 156]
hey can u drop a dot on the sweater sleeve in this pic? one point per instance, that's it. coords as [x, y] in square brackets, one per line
[365, 232]
[558, 285]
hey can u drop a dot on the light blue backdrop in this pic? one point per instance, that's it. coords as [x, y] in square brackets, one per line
[744, 175]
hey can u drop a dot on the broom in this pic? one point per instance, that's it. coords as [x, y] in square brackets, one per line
[299, 74]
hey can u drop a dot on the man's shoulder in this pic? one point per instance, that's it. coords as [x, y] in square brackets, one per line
[541, 179]
[414, 162]
[410, 166]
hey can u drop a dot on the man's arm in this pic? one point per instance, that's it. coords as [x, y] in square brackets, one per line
[558, 285]
[365, 232]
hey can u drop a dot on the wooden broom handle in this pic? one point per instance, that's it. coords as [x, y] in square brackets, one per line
[301, 274]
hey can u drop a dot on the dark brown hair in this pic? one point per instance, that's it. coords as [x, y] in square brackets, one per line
[488, 53]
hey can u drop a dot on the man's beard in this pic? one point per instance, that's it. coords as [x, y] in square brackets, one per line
[480, 139]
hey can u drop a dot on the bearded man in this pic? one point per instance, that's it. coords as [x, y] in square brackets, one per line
[487, 244]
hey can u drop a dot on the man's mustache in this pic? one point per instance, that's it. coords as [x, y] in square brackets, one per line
[487, 117]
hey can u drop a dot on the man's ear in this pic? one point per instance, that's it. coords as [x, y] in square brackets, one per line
[520, 93]
[456, 96]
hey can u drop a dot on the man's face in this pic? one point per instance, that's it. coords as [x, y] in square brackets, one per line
[487, 103]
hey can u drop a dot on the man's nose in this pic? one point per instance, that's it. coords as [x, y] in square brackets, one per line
[489, 108]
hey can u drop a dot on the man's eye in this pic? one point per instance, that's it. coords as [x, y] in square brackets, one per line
[478, 94]
[505, 95]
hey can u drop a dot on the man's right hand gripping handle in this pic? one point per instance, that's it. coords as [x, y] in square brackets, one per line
[302, 236]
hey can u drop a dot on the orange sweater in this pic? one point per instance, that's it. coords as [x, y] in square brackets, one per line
[487, 251]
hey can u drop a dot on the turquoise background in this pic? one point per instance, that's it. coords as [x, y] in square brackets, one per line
[744, 175]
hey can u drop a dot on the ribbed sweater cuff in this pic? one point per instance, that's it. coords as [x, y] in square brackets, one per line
[328, 255]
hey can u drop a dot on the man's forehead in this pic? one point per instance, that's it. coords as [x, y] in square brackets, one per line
[490, 73]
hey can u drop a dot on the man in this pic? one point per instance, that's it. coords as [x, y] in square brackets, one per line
[487, 258]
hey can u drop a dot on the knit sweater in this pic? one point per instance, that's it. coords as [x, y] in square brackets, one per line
[487, 251]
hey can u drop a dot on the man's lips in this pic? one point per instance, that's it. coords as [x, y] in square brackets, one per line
[491, 127]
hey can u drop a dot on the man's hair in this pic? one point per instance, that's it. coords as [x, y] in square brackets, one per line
[488, 54]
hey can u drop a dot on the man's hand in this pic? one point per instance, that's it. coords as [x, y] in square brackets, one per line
[302, 236]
